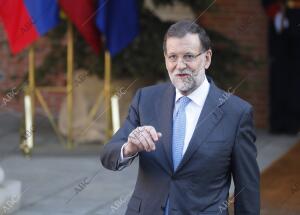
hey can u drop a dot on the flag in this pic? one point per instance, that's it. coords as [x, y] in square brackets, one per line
[26, 20]
[118, 21]
[82, 14]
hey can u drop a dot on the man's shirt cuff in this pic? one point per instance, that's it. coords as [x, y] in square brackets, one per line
[125, 160]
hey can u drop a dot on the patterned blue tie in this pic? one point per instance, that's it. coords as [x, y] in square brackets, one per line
[179, 121]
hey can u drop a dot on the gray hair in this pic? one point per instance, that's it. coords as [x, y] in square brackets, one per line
[182, 28]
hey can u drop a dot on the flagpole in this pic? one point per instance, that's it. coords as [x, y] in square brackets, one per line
[107, 93]
[70, 60]
[29, 105]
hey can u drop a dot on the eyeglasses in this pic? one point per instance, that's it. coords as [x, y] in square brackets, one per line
[186, 58]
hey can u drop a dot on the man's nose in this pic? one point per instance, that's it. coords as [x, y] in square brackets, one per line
[180, 64]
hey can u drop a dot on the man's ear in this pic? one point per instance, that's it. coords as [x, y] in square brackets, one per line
[208, 56]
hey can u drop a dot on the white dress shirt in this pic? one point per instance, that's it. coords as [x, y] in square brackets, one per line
[193, 111]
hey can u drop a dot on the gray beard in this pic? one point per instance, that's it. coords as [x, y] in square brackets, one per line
[188, 84]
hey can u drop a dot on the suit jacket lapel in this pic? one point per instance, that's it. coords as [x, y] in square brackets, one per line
[208, 119]
[210, 116]
[164, 113]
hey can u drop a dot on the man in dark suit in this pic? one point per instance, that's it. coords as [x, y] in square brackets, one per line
[190, 137]
[284, 64]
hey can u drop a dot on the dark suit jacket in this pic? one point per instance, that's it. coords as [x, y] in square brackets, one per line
[222, 146]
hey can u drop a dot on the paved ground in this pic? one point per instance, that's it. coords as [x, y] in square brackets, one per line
[59, 182]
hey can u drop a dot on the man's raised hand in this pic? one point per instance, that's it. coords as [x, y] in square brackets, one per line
[141, 139]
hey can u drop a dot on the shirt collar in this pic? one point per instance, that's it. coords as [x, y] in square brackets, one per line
[198, 96]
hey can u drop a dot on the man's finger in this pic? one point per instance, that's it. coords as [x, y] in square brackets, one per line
[152, 132]
[149, 140]
[144, 142]
[135, 135]
[133, 139]
[136, 140]
[159, 134]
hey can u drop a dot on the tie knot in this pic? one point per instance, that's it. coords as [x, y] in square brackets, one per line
[183, 102]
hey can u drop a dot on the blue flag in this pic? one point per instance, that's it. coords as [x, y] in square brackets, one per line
[118, 22]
